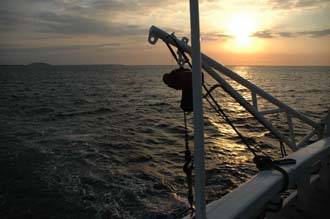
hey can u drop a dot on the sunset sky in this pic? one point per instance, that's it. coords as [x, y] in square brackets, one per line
[250, 32]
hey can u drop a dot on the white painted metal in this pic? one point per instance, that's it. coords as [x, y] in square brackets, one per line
[198, 112]
[229, 73]
[248, 200]
[306, 138]
[214, 68]
[241, 100]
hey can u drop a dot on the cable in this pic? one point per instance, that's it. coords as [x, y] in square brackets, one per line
[217, 108]
[263, 162]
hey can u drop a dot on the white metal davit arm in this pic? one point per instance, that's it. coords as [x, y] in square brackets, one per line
[215, 69]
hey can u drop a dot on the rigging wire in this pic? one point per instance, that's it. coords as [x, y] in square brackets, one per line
[283, 151]
[263, 162]
[217, 107]
[188, 167]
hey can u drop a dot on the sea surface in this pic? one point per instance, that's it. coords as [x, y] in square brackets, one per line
[107, 141]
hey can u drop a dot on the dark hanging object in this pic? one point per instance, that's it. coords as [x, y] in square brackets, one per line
[181, 79]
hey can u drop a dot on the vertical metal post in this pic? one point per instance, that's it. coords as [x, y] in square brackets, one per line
[198, 112]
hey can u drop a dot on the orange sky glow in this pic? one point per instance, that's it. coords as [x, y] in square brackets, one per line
[234, 32]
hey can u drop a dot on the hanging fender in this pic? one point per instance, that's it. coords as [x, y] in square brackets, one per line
[181, 79]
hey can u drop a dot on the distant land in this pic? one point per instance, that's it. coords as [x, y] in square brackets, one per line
[47, 65]
[39, 64]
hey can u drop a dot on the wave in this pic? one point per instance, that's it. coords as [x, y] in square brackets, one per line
[97, 111]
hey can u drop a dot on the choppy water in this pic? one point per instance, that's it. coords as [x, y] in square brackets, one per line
[107, 141]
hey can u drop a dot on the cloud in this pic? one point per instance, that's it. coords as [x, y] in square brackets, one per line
[71, 54]
[98, 17]
[312, 33]
[52, 49]
[316, 33]
[297, 4]
[10, 20]
[50, 22]
[114, 7]
[286, 34]
[69, 24]
[280, 4]
[210, 36]
[311, 3]
[263, 34]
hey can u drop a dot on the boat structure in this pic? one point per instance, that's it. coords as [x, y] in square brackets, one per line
[302, 176]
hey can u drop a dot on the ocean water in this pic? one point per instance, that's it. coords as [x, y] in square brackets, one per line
[107, 141]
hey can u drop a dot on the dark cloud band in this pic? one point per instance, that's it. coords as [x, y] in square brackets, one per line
[313, 33]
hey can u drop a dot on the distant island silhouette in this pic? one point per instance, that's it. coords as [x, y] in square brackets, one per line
[39, 64]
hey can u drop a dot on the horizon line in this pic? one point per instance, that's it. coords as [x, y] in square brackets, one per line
[254, 65]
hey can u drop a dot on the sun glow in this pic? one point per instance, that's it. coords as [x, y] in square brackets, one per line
[241, 27]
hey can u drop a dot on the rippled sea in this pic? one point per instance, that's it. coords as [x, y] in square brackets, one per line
[107, 141]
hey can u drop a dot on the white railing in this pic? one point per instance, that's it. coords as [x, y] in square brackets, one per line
[251, 198]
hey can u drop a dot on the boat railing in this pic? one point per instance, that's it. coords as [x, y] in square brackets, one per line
[262, 191]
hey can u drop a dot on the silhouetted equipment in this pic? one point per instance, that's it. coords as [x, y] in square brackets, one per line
[181, 79]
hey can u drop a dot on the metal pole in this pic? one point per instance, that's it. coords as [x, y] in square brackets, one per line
[198, 111]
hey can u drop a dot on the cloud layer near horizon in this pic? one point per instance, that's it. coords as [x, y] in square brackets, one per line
[72, 24]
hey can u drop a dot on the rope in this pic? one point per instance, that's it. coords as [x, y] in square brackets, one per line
[263, 162]
[188, 167]
[211, 89]
[282, 147]
[266, 163]
[173, 53]
[218, 108]
[220, 111]
[283, 151]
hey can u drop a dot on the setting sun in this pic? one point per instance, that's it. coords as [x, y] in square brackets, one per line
[295, 32]
[164, 109]
[241, 26]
